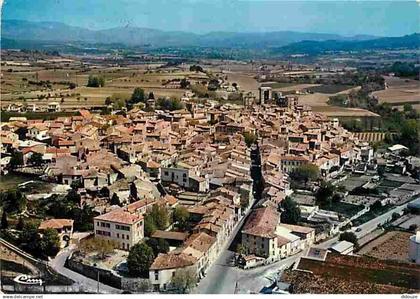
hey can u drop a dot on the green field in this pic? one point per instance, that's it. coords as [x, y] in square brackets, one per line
[330, 88]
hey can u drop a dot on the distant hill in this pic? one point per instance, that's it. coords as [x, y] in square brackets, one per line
[317, 47]
[18, 30]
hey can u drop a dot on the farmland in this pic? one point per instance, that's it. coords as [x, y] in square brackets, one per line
[370, 136]
[344, 274]
[42, 86]
[318, 102]
[399, 92]
[391, 246]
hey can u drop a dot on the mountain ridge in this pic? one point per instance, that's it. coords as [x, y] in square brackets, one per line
[138, 36]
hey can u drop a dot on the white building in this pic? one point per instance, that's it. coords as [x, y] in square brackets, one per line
[343, 247]
[121, 226]
[414, 248]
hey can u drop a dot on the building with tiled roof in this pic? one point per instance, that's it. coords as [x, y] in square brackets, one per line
[121, 226]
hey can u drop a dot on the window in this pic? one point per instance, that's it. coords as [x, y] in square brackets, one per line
[128, 237]
[184, 175]
[166, 173]
[118, 235]
[122, 227]
[156, 275]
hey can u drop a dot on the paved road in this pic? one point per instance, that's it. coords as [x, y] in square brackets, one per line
[367, 227]
[223, 278]
[87, 284]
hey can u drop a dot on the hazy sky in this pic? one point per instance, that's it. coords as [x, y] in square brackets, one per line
[384, 18]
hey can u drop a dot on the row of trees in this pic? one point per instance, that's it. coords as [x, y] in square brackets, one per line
[169, 104]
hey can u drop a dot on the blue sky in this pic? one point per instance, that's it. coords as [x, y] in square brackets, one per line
[382, 18]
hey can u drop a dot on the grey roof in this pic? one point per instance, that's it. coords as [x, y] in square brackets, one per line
[342, 246]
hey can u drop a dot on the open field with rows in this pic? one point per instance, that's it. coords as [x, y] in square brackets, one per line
[370, 136]
[391, 246]
[119, 81]
[399, 92]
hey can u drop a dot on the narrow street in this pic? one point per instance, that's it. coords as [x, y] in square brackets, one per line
[87, 284]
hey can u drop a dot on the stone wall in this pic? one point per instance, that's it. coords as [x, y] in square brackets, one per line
[105, 276]
[134, 285]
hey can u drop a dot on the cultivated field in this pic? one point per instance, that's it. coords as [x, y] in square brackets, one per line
[119, 81]
[399, 92]
[318, 102]
[370, 136]
[391, 246]
[245, 81]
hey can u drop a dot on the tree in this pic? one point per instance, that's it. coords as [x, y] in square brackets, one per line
[181, 216]
[196, 68]
[4, 222]
[184, 280]
[349, 237]
[305, 173]
[413, 227]
[21, 224]
[94, 81]
[241, 249]
[169, 104]
[73, 196]
[30, 239]
[395, 216]
[410, 135]
[184, 83]
[102, 247]
[250, 138]
[290, 211]
[140, 259]
[101, 82]
[137, 96]
[16, 159]
[50, 242]
[149, 225]
[105, 247]
[13, 201]
[158, 245]
[36, 159]
[108, 101]
[115, 200]
[324, 194]
[160, 216]
[408, 107]
[336, 198]
[144, 286]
